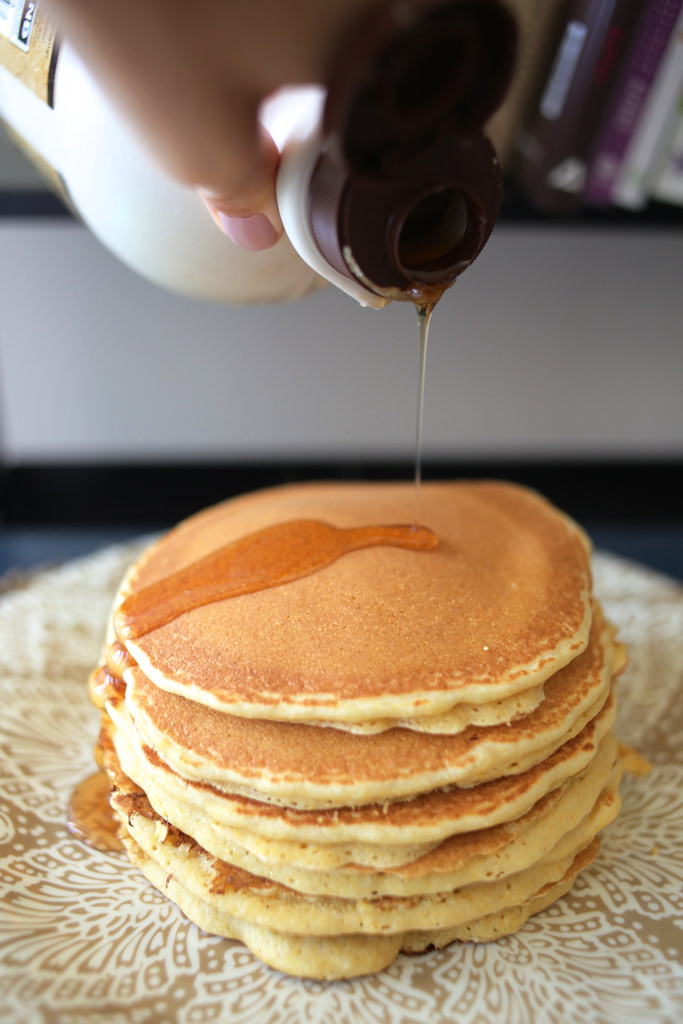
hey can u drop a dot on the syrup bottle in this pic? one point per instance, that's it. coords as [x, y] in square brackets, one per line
[387, 188]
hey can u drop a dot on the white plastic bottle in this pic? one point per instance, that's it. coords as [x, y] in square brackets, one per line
[378, 223]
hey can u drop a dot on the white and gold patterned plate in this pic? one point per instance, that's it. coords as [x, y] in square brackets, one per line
[83, 937]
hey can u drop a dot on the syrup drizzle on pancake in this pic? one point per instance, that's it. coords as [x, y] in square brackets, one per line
[268, 558]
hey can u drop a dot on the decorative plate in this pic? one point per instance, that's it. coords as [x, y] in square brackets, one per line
[83, 937]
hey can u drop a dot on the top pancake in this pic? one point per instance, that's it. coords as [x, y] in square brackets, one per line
[500, 605]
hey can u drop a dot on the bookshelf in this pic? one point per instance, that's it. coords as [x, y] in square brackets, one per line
[594, 121]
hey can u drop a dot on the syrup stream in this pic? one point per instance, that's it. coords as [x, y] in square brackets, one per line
[424, 315]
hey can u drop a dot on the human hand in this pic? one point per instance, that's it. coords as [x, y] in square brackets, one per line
[192, 78]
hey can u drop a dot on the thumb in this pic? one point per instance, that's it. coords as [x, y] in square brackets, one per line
[248, 214]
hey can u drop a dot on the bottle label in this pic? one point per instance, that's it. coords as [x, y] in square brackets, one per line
[28, 47]
[28, 50]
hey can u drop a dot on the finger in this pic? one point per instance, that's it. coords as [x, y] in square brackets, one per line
[246, 210]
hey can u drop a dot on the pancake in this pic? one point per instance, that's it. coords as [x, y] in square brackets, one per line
[498, 606]
[405, 869]
[453, 721]
[333, 958]
[450, 722]
[239, 894]
[333, 735]
[237, 904]
[326, 838]
[287, 762]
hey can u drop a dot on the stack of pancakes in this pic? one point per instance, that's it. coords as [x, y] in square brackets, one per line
[388, 751]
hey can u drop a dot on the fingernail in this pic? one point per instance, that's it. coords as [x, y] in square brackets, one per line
[254, 233]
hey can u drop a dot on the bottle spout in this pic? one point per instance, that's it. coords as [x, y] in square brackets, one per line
[407, 188]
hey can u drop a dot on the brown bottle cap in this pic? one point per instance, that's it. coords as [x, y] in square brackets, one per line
[407, 188]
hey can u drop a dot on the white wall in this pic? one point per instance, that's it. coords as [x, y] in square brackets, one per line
[556, 342]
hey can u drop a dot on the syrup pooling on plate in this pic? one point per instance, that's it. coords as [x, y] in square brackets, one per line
[268, 558]
[90, 818]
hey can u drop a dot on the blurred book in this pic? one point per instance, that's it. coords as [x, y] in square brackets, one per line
[628, 101]
[667, 185]
[538, 22]
[653, 141]
[554, 145]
